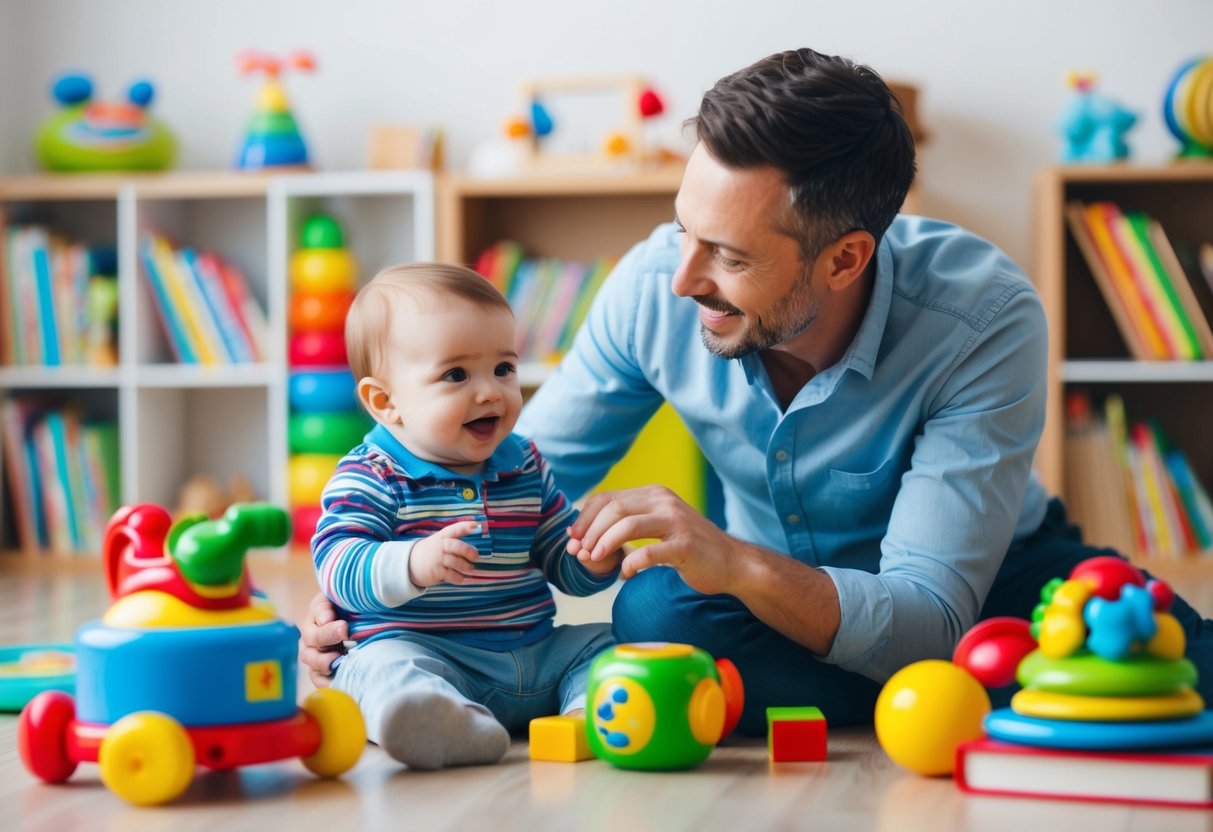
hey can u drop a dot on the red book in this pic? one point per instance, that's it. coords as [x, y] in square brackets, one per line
[1173, 777]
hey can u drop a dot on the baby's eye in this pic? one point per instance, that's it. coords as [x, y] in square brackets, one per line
[505, 368]
[455, 374]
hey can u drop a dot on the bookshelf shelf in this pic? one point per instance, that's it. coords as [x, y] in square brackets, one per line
[1088, 350]
[1092, 371]
[175, 420]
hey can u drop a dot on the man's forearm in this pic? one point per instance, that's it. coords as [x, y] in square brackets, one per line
[791, 597]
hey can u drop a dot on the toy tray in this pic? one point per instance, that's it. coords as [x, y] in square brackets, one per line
[27, 670]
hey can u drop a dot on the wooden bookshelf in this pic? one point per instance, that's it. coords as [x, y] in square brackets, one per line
[1086, 349]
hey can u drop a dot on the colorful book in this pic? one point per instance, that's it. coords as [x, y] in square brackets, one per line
[1175, 281]
[1114, 291]
[166, 311]
[248, 309]
[48, 330]
[198, 320]
[1165, 778]
[1138, 305]
[1188, 488]
[1135, 228]
[8, 329]
[21, 464]
[236, 339]
[1149, 288]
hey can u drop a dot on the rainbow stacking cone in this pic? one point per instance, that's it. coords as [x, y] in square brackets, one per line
[272, 138]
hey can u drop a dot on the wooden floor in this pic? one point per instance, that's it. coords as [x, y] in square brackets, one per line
[736, 789]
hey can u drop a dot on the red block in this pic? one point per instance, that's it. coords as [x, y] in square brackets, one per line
[800, 740]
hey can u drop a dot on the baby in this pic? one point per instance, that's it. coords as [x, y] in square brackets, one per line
[442, 530]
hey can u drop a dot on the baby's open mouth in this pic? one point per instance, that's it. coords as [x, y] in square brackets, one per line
[484, 426]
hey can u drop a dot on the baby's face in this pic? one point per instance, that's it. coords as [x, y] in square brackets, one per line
[452, 375]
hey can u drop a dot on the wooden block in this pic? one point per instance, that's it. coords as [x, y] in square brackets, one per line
[796, 734]
[560, 739]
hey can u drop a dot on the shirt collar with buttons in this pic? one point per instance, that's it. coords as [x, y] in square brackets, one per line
[506, 460]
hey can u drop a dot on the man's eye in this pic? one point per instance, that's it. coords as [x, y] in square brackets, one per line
[455, 374]
[729, 263]
[505, 368]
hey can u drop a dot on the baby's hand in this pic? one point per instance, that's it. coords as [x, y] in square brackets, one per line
[604, 565]
[443, 556]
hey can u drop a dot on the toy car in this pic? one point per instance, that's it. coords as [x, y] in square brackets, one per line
[187, 667]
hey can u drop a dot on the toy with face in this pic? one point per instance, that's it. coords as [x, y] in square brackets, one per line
[93, 135]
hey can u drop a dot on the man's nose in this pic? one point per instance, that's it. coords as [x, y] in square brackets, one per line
[690, 279]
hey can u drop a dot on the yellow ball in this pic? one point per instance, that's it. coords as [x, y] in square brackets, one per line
[925, 711]
[323, 270]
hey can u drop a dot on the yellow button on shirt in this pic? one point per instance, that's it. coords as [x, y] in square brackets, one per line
[469, 493]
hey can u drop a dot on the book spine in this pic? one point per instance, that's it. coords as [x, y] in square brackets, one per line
[170, 323]
[44, 280]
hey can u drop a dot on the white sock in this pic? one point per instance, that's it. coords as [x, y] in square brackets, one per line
[426, 730]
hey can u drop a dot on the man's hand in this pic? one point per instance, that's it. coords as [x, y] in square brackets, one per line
[443, 557]
[321, 634]
[687, 540]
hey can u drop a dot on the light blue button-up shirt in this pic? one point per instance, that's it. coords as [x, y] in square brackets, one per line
[903, 472]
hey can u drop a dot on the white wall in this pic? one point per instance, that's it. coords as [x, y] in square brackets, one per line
[991, 73]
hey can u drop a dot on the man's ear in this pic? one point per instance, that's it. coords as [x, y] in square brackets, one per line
[373, 395]
[846, 258]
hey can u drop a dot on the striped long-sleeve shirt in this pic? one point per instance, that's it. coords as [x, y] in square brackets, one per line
[382, 499]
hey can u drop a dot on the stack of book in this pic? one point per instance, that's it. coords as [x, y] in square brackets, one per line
[46, 282]
[1128, 488]
[550, 297]
[62, 472]
[203, 303]
[1152, 299]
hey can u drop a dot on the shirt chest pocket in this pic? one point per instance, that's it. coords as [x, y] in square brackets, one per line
[863, 499]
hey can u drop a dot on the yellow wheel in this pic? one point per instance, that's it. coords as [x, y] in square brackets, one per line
[342, 732]
[146, 758]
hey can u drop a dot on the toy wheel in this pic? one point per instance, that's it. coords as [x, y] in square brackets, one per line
[146, 758]
[342, 732]
[42, 736]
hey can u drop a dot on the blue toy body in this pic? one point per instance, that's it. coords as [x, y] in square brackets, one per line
[1093, 127]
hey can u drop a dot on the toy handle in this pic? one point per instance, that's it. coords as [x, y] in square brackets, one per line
[133, 539]
[212, 552]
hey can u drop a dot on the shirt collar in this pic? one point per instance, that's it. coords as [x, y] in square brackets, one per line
[507, 459]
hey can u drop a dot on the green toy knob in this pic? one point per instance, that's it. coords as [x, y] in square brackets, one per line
[211, 552]
[322, 231]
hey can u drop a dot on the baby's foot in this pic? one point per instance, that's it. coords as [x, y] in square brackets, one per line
[427, 730]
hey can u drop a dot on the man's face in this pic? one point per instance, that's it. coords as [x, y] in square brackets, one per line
[753, 289]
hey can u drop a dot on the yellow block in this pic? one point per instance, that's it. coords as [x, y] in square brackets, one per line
[559, 739]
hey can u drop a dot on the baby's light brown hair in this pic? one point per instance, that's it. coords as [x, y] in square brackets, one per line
[370, 317]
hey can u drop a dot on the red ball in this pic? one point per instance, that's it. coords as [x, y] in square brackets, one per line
[1108, 574]
[993, 649]
[318, 348]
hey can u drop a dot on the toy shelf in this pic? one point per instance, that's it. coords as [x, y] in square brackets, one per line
[1086, 350]
[175, 419]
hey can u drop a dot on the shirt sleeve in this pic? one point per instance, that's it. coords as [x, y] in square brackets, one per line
[549, 554]
[359, 565]
[587, 414]
[956, 511]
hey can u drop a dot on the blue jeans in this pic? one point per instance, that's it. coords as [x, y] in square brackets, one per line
[541, 679]
[657, 606]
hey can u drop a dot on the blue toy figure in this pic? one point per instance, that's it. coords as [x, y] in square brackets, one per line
[1093, 125]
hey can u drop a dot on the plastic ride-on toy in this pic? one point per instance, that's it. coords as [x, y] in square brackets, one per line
[187, 667]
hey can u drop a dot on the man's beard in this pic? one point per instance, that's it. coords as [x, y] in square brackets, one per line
[786, 321]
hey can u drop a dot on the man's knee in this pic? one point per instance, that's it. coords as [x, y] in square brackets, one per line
[644, 609]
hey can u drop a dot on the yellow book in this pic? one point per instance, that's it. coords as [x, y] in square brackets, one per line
[1127, 288]
[166, 263]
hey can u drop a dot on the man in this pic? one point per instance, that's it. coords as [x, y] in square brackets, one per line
[870, 390]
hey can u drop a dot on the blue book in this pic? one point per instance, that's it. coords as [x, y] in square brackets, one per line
[211, 284]
[170, 320]
[58, 431]
[47, 327]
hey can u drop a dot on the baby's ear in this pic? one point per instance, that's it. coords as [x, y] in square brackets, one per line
[374, 396]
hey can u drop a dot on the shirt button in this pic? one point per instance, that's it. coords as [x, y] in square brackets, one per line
[469, 493]
[781, 455]
[793, 519]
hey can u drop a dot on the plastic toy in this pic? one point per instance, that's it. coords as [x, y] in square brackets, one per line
[1187, 108]
[925, 711]
[327, 433]
[1093, 126]
[318, 310]
[560, 739]
[321, 391]
[103, 136]
[101, 314]
[28, 670]
[308, 474]
[659, 706]
[304, 520]
[187, 666]
[796, 735]
[272, 137]
[625, 142]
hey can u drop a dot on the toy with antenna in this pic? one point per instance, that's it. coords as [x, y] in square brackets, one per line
[272, 138]
[1187, 108]
[1093, 126]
